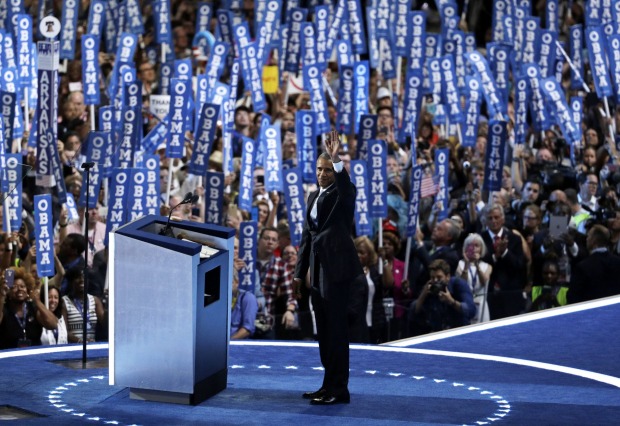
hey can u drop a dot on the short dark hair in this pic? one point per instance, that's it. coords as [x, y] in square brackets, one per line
[77, 242]
[385, 108]
[599, 235]
[583, 177]
[72, 274]
[265, 229]
[439, 265]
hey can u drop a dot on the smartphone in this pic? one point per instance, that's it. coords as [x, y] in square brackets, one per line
[557, 225]
[9, 277]
[470, 251]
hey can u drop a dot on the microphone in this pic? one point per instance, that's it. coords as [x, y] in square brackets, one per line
[167, 230]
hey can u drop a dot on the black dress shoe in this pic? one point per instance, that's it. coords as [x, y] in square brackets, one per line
[315, 394]
[331, 400]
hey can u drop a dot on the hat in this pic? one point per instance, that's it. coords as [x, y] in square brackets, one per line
[216, 157]
[383, 92]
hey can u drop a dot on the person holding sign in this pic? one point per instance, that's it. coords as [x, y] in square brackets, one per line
[327, 250]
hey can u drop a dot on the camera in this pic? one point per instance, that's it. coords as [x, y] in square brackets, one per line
[436, 287]
[600, 217]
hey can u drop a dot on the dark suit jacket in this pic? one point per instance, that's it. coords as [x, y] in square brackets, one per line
[331, 240]
[508, 276]
[596, 276]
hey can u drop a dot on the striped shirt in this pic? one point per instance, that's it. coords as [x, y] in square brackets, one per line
[74, 317]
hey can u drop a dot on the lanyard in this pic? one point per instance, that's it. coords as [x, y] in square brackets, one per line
[474, 276]
[22, 320]
[78, 306]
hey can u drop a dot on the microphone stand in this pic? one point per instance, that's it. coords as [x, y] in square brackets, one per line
[166, 230]
[86, 167]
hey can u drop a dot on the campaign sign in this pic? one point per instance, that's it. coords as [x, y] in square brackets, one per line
[359, 176]
[205, 138]
[495, 156]
[248, 239]
[246, 185]
[12, 205]
[314, 84]
[117, 203]
[214, 195]
[377, 177]
[295, 204]
[414, 200]
[305, 130]
[344, 119]
[70, 11]
[273, 159]
[90, 69]
[44, 232]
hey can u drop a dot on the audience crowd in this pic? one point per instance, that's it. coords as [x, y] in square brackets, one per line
[549, 237]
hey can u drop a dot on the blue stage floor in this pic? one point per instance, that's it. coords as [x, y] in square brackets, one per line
[555, 370]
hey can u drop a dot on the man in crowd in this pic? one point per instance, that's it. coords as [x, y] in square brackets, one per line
[505, 255]
[445, 302]
[279, 306]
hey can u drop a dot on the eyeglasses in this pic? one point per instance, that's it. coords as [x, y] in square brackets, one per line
[592, 183]
[289, 253]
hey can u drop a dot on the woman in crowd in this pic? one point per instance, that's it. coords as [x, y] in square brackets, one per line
[552, 292]
[74, 303]
[588, 161]
[373, 289]
[477, 273]
[57, 336]
[22, 315]
[400, 291]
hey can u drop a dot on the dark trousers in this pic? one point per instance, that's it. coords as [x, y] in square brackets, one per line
[333, 336]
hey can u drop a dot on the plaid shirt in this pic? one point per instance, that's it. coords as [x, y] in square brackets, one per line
[276, 279]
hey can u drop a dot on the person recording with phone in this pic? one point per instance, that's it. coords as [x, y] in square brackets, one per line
[445, 302]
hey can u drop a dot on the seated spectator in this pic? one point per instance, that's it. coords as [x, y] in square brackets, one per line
[243, 315]
[73, 301]
[57, 336]
[445, 302]
[22, 315]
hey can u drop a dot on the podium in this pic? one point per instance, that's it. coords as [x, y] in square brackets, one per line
[169, 309]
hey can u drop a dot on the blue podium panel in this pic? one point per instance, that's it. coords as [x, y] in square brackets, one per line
[170, 309]
[153, 319]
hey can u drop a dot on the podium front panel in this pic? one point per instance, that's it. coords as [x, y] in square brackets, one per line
[154, 341]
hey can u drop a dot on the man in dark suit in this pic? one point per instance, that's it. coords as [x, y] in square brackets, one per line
[327, 250]
[597, 275]
[505, 255]
[444, 236]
